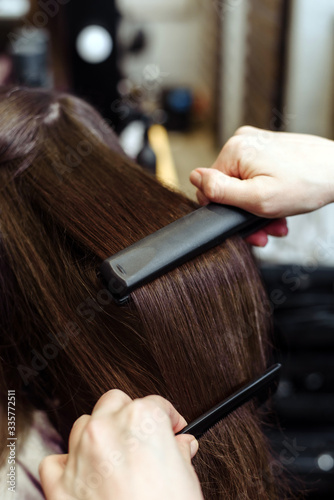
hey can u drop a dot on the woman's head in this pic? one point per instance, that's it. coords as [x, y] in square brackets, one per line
[30, 117]
[68, 200]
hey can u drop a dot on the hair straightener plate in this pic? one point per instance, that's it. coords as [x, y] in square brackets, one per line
[173, 245]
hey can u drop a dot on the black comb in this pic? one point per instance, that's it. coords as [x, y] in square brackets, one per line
[259, 388]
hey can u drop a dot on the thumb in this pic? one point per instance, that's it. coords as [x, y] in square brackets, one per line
[188, 446]
[51, 470]
[221, 188]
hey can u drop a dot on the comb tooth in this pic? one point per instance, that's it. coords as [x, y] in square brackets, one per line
[259, 388]
[173, 245]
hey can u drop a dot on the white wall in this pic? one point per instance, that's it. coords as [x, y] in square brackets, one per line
[309, 109]
[155, 10]
[177, 40]
[232, 81]
[310, 89]
[309, 93]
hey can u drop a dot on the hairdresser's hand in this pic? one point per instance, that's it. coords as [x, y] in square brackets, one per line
[125, 449]
[271, 174]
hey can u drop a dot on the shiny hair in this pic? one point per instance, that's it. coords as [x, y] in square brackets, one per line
[69, 198]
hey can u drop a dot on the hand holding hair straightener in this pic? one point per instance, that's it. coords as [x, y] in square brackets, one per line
[270, 174]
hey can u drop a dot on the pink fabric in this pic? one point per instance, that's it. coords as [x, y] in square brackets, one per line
[41, 441]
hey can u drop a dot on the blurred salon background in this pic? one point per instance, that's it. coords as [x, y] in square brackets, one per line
[175, 80]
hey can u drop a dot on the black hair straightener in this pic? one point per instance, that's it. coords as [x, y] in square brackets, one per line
[170, 247]
[260, 388]
[173, 245]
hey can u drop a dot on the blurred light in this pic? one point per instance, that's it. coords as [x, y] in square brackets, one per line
[30, 56]
[159, 116]
[326, 462]
[284, 389]
[132, 138]
[124, 86]
[180, 99]
[14, 8]
[314, 381]
[151, 72]
[94, 44]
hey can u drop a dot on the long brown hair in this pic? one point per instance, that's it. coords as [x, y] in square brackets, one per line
[69, 199]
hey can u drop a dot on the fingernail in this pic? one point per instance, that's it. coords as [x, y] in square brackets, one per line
[262, 241]
[194, 447]
[196, 178]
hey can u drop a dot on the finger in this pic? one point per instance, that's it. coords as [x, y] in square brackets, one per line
[76, 432]
[164, 411]
[228, 161]
[196, 178]
[258, 239]
[202, 200]
[188, 446]
[247, 130]
[111, 402]
[51, 470]
[221, 188]
[277, 228]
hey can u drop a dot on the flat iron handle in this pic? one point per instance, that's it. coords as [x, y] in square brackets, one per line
[173, 245]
